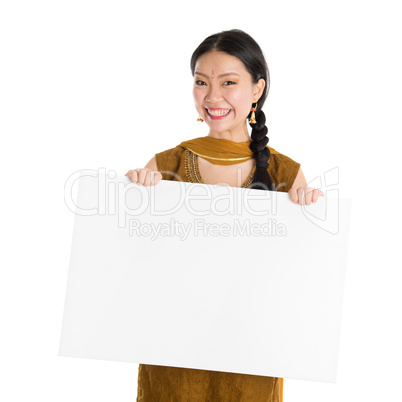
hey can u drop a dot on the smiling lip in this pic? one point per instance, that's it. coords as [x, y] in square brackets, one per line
[218, 113]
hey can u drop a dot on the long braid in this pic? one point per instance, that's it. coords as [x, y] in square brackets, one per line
[262, 179]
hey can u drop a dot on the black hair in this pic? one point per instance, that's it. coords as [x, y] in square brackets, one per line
[241, 45]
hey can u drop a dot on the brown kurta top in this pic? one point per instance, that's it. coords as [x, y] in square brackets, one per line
[180, 164]
[174, 384]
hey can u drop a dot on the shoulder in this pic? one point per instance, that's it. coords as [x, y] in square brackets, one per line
[279, 158]
[169, 161]
[169, 156]
[282, 169]
[170, 153]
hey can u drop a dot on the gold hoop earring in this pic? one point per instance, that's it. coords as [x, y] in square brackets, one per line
[200, 119]
[252, 119]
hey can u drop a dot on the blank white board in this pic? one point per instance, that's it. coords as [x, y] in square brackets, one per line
[207, 277]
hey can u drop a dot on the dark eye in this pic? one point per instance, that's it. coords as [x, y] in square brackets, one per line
[229, 83]
[199, 82]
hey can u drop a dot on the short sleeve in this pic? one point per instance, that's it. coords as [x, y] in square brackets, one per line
[168, 162]
[283, 171]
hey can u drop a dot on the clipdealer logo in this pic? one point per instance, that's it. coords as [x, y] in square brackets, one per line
[127, 199]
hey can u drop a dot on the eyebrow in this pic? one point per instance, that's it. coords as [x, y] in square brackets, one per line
[219, 76]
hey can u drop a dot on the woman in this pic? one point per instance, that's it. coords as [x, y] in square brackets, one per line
[231, 83]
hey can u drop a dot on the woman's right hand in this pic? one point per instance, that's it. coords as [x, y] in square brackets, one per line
[144, 176]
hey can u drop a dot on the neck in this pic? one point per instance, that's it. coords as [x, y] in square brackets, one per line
[235, 136]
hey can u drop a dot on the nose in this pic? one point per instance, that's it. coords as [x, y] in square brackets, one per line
[214, 94]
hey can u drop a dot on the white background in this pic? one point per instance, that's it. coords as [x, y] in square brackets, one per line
[87, 84]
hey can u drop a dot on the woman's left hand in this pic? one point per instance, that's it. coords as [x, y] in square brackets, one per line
[304, 195]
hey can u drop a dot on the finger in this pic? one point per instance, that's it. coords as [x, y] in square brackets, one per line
[153, 178]
[308, 195]
[141, 175]
[293, 195]
[148, 178]
[130, 174]
[300, 196]
[157, 176]
[316, 194]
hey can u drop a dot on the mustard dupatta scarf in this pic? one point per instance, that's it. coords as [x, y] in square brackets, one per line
[219, 151]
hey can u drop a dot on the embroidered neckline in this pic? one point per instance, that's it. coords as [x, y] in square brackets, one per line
[193, 171]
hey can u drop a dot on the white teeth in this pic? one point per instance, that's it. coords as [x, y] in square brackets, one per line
[218, 112]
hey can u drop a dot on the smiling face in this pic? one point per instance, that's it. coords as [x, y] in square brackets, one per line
[224, 93]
